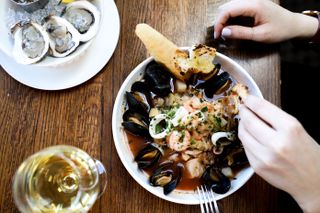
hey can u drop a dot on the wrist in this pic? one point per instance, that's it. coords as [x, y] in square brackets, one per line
[311, 206]
[305, 26]
[309, 198]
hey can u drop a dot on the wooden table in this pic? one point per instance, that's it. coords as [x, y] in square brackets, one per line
[31, 120]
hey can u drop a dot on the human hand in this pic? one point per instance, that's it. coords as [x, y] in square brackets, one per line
[272, 23]
[281, 151]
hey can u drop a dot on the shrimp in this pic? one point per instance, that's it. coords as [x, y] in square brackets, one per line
[196, 135]
[179, 141]
[192, 104]
[194, 118]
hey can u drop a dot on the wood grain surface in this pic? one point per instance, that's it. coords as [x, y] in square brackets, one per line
[31, 119]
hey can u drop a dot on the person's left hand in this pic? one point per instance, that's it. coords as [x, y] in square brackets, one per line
[281, 151]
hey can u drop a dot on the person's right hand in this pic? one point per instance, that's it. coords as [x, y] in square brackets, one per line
[272, 23]
[281, 151]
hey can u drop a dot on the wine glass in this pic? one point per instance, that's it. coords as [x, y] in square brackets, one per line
[59, 179]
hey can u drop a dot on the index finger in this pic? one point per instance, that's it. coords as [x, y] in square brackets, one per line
[230, 10]
[268, 112]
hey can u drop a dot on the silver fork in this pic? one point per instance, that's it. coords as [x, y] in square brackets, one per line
[208, 203]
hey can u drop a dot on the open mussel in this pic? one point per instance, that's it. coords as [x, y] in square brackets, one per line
[221, 140]
[136, 118]
[216, 84]
[236, 158]
[163, 175]
[148, 156]
[214, 179]
[168, 176]
[158, 79]
[141, 92]
[135, 105]
[198, 80]
[136, 123]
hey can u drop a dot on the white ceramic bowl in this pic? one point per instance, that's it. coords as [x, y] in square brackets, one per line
[6, 44]
[127, 158]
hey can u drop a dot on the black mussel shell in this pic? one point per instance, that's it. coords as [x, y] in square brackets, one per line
[198, 80]
[168, 176]
[162, 176]
[236, 158]
[148, 156]
[214, 179]
[175, 181]
[135, 105]
[136, 129]
[136, 117]
[158, 79]
[142, 90]
[140, 86]
[214, 84]
[213, 73]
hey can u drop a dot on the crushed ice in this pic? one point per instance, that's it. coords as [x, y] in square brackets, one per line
[52, 8]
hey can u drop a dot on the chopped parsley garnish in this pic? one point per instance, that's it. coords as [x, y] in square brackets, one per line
[182, 136]
[171, 113]
[204, 109]
[161, 126]
[218, 120]
[192, 141]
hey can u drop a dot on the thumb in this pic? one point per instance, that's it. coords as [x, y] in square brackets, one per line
[238, 32]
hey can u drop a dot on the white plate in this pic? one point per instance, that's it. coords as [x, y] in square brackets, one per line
[126, 156]
[82, 69]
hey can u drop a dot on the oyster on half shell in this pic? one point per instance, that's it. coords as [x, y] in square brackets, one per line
[31, 43]
[85, 17]
[63, 37]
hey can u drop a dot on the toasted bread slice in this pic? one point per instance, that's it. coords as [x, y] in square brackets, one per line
[182, 64]
[162, 49]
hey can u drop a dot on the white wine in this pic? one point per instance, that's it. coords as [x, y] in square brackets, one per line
[57, 179]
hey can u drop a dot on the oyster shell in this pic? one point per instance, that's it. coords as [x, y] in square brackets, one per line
[85, 17]
[31, 43]
[64, 38]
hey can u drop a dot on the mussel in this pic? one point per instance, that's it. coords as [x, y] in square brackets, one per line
[163, 175]
[141, 92]
[214, 179]
[158, 79]
[168, 176]
[236, 158]
[198, 80]
[136, 105]
[148, 156]
[136, 123]
[221, 140]
[136, 118]
[215, 85]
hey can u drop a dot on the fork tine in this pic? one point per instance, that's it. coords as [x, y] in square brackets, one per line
[201, 201]
[210, 198]
[206, 200]
[214, 201]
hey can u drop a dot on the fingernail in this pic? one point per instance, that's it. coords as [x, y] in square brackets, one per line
[226, 32]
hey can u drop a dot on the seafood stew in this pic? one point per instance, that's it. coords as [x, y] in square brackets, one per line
[184, 133]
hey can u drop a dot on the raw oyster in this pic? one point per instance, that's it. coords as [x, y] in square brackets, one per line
[31, 43]
[64, 38]
[85, 17]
